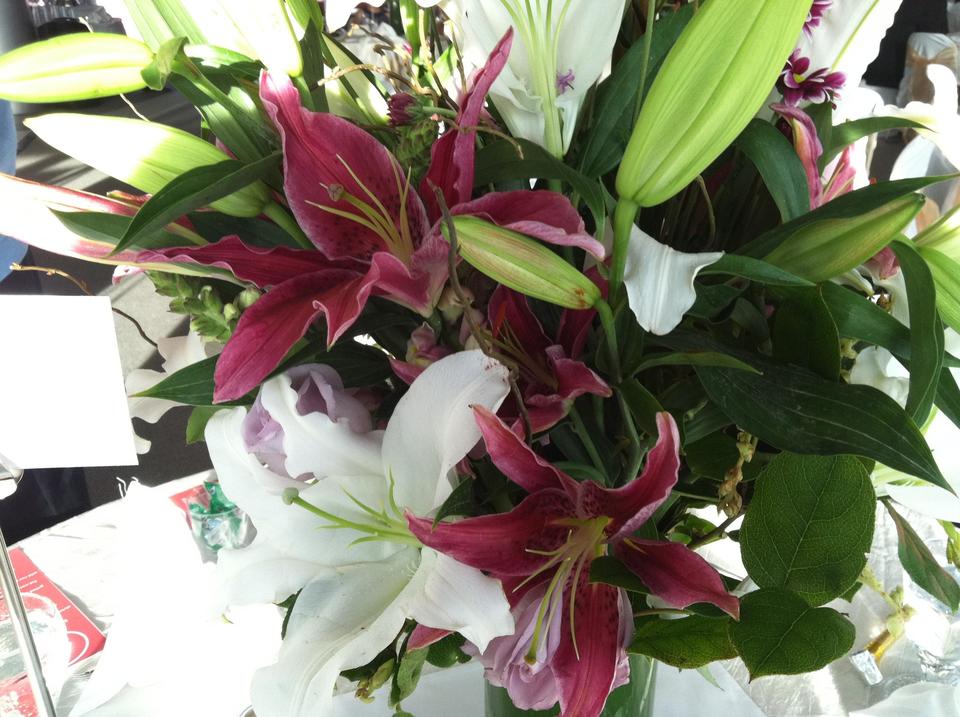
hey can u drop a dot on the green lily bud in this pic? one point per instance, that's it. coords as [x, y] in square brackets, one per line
[946, 277]
[944, 235]
[78, 66]
[821, 250]
[713, 82]
[146, 155]
[522, 264]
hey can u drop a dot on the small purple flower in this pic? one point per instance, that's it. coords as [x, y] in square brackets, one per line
[319, 390]
[565, 81]
[401, 108]
[798, 84]
[815, 15]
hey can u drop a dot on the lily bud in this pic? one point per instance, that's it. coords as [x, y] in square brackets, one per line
[147, 155]
[78, 66]
[713, 82]
[266, 27]
[825, 249]
[522, 264]
[944, 235]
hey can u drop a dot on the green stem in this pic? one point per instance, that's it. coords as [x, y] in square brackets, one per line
[282, 218]
[610, 329]
[306, 97]
[647, 46]
[636, 454]
[623, 219]
[581, 429]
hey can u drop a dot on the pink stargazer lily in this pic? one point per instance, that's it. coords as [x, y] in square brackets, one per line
[375, 233]
[573, 634]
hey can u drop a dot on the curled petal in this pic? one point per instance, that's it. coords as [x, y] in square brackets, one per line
[808, 147]
[659, 281]
[676, 574]
[280, 318]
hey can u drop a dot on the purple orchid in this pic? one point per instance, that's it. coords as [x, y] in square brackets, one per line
[798, 84]
[570, 631]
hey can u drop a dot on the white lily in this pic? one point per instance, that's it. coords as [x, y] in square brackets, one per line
[562, 49]
[337, 12]
[343, 540]
[939, 118]
[178, 352]
[659, 281]
[848, 38]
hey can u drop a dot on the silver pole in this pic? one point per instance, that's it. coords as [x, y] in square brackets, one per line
[19, 619]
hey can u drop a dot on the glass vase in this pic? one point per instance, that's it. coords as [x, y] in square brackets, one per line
[634, 699]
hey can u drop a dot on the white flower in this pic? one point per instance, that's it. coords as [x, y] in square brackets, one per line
[848, 38]
[561, 50]
[344, 541]
[178, 352]
[659, 281]
[337, 12]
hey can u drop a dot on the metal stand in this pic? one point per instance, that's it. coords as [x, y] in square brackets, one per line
[18, 613]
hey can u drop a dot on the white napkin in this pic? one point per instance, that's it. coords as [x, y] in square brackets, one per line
[169, 651]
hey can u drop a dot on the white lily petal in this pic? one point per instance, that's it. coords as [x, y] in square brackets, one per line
[292, 530]
[260, 573]
[460, 598]
[877, 367]
[433, 426]
[341, 620]
[930, 500]
[315, 444]
[659, 281]
[849, 36]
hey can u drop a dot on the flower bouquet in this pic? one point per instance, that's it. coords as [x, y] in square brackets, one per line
[502, 311]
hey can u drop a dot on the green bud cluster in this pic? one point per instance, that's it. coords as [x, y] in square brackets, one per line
[212, 315]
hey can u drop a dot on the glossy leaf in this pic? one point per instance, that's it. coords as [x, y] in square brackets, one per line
[780, 634]
[926, 332]
[753, 269]
[686, 643]
[778, 164]
[920, 564]
[809, 526]
[798, 411]
[805, 334]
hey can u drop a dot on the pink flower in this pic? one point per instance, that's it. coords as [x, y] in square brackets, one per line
[798, 84]
[319, 390]
[542, 550]
[817, 11]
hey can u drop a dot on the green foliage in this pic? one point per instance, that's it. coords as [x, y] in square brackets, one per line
[809, 526]
[920, 564]
[780, 634]
[448, 652]
[805, 334]
[780, 167]
[687, 643]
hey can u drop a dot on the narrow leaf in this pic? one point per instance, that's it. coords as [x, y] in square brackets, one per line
[779, 166]
[753, 269]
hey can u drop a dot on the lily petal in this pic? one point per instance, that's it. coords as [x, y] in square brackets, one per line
[433, 428]
[452, 157]
[314, 443]
[586, 667]
[808, 146]
[516, 460]
[280, 318]
[462, 599]
[659, 281]
[676, 574]
[260, 573]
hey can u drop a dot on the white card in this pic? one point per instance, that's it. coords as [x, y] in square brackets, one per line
[62, 400]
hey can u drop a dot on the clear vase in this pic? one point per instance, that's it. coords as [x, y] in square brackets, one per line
[634, 699]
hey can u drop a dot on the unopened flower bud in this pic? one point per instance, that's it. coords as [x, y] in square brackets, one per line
[402, 109]
[79, 66]
[523, 264]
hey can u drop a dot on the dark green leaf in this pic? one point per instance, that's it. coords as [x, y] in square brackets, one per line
[192, 190]
[614, 112]
[926, 331]
[460, 502]
[920, 564]
[779, 634]
[643, 405]
[687, 643]
[755, 270]
[809, 526]
[846, 133]
[778, 164]
[712, 456]
[805, 334]
[609, 570]
[447, 652]
[110, 228]
[798, 411]
[859, 318]
[407, 676]
[197, 423]
[703, 422]
[703, 358]
[948, 396]
[500, 162]
[713, 299]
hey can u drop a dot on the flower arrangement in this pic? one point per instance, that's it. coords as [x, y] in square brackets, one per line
[507, 303]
